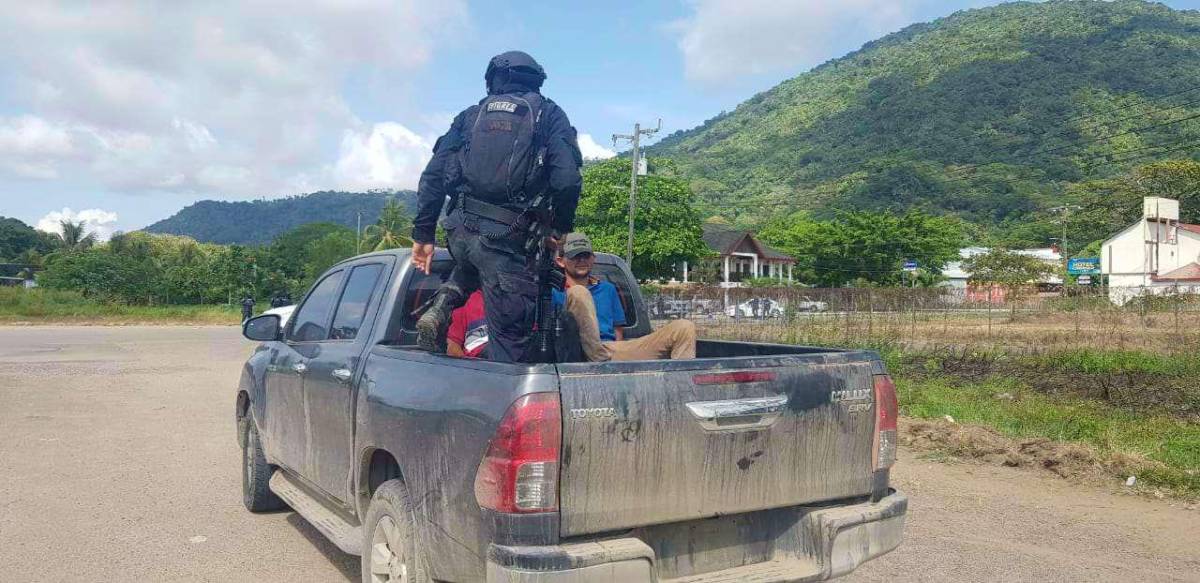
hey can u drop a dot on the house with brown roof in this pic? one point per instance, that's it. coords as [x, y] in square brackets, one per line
[738, 255]
[1157, 254]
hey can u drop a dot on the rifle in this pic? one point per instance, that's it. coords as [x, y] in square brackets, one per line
[549, 278]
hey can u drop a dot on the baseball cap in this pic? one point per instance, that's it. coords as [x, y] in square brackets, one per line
[575, 244]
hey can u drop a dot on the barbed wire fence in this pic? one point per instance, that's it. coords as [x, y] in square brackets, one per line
[1012, 319]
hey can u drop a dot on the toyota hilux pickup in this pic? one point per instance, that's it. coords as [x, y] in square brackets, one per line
[752, 462]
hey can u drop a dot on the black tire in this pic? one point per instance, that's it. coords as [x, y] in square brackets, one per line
[256, 474]
[390, 508]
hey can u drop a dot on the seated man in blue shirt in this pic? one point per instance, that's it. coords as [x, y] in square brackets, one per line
[597, 309]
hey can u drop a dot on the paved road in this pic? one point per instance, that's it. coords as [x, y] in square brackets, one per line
[118, 463]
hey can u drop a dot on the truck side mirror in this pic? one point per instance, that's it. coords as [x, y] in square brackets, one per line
[264, 328]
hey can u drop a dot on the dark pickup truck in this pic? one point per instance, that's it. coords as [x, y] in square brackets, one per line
[753, 462]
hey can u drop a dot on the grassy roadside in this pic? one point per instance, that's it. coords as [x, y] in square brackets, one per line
[1053, 399]
[1068, 398]
[39, 306]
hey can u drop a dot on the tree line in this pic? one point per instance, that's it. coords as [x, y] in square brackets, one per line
[853, 248]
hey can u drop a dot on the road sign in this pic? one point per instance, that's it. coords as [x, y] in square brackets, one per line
[910, 266]
[1084, 266]
[1084, 280]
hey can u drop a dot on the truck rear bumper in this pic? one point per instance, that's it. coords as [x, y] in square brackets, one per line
[824, 542]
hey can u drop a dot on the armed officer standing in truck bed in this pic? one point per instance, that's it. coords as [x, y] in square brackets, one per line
[500, 160]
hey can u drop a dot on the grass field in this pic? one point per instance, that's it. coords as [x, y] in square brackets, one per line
[38, 306]
[1116, 394]
[1156, 438]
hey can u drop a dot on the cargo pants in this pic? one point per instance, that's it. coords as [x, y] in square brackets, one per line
[498, 265]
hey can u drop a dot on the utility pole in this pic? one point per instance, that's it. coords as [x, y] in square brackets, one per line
[1062, 242]
[358, 235]
[635, 139]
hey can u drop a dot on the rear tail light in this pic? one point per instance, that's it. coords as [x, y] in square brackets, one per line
[520, 471]
[886, 412]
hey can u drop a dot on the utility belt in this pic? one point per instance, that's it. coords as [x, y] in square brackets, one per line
[507, 217]
[512, 224]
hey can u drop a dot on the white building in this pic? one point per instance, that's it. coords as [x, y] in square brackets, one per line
[1158, 254]
[741, 256]
[956, 275]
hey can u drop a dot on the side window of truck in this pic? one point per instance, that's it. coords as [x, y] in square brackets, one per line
[311, 321]
[418, 289]
[352, 308]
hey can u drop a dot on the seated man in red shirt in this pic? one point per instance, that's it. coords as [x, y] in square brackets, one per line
[468, 334]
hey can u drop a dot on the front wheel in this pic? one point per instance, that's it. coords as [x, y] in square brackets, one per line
[256, 474]
[390, 550]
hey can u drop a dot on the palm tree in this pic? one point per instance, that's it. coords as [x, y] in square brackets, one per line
[391, 230]
[75, 236]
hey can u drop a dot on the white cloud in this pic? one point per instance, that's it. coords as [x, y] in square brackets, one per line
[389, 155]
[98, 221]
[593, 151]
[241, 98]
[724, 39]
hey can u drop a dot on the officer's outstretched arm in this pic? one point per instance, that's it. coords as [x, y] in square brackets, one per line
[432, 188]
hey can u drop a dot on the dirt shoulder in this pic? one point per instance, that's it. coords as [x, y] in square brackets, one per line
[979, 522]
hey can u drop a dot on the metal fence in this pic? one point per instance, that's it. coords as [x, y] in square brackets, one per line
[1015, 319]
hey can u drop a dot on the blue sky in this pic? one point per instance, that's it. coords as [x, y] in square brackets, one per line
[124, 112]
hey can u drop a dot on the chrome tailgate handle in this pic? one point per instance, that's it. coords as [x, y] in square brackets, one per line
[342, 374]
[738, 414]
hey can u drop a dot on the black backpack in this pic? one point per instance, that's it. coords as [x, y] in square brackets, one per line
[503, 157]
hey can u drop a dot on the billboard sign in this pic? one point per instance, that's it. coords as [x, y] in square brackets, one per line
[1084, 266]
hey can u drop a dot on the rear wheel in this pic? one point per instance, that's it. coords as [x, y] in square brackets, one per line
[256, 474]
[390, 551]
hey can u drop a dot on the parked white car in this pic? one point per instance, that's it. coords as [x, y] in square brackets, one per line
[811, 305]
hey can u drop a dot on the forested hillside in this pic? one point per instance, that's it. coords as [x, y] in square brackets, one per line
[260, 221]
[990, 114]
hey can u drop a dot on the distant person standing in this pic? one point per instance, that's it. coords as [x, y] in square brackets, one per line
[247, 307]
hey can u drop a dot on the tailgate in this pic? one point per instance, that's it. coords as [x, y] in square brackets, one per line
[656, 442]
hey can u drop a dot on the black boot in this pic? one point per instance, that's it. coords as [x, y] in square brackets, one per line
[432, 325]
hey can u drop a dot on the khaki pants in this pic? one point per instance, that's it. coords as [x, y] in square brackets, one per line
[676, 340]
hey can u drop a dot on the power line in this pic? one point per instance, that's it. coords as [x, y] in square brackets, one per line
[793, 204]
[970, 168]
[1097, 124]
[1160, 110]
[1142, 102]
[1147, 155]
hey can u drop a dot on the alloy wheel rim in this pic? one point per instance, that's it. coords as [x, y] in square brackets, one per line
[387, 556]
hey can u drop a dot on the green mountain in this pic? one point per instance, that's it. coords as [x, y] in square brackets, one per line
[987, 114]
[260, 221]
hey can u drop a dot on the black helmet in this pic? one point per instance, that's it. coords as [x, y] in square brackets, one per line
[514, 60]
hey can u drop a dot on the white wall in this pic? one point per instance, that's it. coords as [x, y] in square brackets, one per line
[1129, 261]
[1128, 257]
